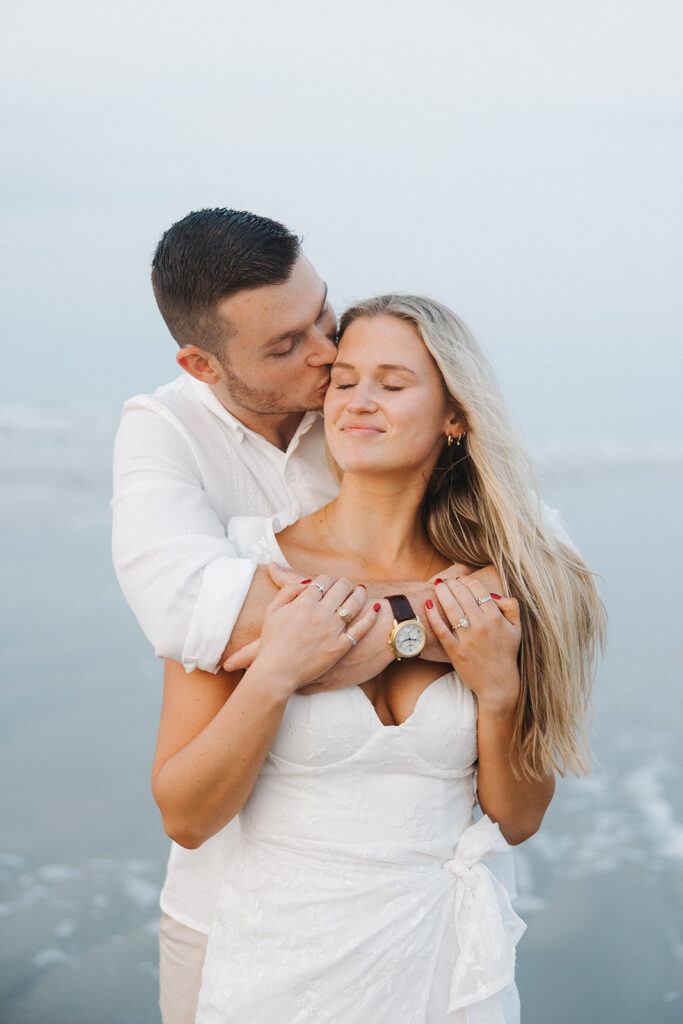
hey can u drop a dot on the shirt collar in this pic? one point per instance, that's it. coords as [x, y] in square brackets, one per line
[206, 395]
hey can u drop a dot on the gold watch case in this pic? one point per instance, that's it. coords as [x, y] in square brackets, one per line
[407, 639]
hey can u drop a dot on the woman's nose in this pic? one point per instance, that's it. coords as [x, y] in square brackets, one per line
[361, 398]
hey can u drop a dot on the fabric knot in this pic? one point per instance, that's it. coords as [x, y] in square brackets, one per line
[487, 927]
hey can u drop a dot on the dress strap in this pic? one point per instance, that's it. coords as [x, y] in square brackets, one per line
[487, 927]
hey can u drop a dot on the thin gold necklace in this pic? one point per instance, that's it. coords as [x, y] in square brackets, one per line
[361, 559]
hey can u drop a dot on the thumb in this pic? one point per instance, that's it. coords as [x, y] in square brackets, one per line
[283, 576]
[242, 658]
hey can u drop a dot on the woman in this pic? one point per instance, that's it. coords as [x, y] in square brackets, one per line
[358, 892]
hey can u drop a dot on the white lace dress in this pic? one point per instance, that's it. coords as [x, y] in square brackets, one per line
[359, 893]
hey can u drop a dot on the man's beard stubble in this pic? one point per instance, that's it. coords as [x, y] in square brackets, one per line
[260, 400]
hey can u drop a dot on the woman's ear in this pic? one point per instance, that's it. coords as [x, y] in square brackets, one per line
[198, 364]
[457, 424]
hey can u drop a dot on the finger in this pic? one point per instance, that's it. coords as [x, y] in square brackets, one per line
[285, 596]
[319, 586]
[510, 609]
[353, 604]
[482, 596]
[340, 590]
[363, 624]
[242, 658]
[489, 578]
[447, 637]
[452, 608]
[282, 575]
[460, 590]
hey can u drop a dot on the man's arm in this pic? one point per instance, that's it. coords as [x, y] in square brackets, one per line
[176, 568]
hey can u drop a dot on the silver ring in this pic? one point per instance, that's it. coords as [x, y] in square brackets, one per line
[321, 589]
[463, 624]
[349, 637]
[483, 600]
[344, 614]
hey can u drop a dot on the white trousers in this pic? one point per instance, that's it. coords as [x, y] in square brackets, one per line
[181, 959]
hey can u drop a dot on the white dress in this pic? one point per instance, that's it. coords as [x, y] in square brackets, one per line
[358, 892]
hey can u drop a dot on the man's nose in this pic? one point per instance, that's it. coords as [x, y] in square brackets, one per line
[323, 351]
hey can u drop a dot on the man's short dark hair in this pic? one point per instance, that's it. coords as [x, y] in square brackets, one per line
[209, 255]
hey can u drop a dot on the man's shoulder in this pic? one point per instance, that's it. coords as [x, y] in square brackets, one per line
[176, 395]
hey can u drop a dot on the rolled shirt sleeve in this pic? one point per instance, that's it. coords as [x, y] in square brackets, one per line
[180, 575]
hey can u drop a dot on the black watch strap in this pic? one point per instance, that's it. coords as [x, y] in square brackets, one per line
[401, 607]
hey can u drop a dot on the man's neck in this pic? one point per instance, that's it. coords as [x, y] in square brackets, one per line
[277, 428]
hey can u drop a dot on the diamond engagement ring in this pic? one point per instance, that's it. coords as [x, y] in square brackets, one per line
[349, 637]
[344, 614]
[321, 589]
[463, 624]
[483, 600]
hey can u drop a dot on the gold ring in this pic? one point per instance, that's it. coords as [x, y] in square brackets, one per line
[344, 614]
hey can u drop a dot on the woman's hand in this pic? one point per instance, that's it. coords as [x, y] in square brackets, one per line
[481, 635]
[304, 633]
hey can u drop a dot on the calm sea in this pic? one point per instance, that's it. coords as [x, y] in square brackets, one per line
[82, 852]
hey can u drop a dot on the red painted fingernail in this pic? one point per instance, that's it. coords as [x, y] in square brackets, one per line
[438, 580]
[376, 607]
[363, 586]
[428, 603]
[305, 581]
[496, 597]
[458, 577]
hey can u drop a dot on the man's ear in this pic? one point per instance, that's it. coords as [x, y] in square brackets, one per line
[199, 364]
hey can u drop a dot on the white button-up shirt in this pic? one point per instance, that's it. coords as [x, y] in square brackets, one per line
[183, 467]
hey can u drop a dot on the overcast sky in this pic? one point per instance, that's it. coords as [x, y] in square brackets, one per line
[519, 160]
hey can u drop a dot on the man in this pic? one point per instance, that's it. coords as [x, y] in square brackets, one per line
[240, 433]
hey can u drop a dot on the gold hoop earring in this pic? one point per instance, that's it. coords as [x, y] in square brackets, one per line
[449, 440]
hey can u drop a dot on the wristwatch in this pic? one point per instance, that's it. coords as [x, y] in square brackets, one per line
[408, 636]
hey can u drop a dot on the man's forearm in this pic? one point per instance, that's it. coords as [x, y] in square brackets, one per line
[249, 622]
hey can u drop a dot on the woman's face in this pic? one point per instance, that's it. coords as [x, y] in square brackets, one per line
[386, 409]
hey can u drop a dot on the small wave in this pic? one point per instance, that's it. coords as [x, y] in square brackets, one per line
[584, 455]
[47, 421]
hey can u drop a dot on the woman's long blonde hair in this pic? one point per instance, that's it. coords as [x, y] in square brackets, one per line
[481, 507]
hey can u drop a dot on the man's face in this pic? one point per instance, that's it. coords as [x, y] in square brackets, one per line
[280, 345]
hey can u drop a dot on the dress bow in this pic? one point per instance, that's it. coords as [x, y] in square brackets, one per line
[487, 927]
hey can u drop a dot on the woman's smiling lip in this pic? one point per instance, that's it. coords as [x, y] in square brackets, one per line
[361, 429]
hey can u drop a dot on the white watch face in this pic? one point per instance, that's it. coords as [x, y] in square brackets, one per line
[409, 639]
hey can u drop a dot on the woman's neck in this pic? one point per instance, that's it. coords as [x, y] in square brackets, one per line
[378, 520]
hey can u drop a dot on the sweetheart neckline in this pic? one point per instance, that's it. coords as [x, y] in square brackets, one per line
[406, 721]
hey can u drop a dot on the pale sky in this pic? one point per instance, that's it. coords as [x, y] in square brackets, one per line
[521, 161]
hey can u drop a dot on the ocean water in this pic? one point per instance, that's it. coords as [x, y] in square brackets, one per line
[82, 853]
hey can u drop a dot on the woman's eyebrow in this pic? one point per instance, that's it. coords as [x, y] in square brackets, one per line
[382, 366]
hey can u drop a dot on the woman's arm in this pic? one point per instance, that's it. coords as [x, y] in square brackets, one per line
[215, 730]
[484, 654]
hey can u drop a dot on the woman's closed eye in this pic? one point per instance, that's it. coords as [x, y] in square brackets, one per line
[385, 387]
